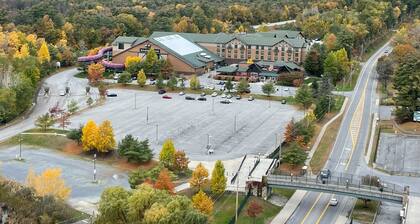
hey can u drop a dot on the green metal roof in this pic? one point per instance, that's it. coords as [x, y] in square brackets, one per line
[269, 74]
[290, 65]
[263, 39]
[227, 69]
[128, 40]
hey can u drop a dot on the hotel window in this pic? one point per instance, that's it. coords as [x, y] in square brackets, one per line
[120, 46]
[229, 51]
[282, 48]
[282, 54]
[235, 55]
[262, 57]
[235, 51]
[236, 46]
[296, 55]
[276, 57]
[257, 47]
[282, 58]
[269, 57]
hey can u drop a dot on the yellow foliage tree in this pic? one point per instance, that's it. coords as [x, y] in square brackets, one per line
[203, 203]
[131, 60]
[31, 38]
[23, 52]
[199, 177]
[95, 72]
[141, 78]
[14, 39]
[44, 53]
[90, 133]
[105, 141]
[48, 182]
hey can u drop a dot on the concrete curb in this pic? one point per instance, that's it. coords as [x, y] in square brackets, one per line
[290, 207]
[322, 132]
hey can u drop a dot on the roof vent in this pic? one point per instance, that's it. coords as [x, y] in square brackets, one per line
[207, 56]
[203, 54]
[275, 35]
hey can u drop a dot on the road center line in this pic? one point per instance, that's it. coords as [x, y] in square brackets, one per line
[323, 212]
[310, 210]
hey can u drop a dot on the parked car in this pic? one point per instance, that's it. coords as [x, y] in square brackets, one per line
[181, 93]
[166, 97]
[134, 78]
[152, 83]
[238, 97]
[62, 93]
[189, 98]
[333, 201]
[111, 94]
[251, 98]
[214, 94]
[202, 98]
[221, 83]
[229, 96]
[162, 91]
[212, 87]
[247, 91]
[283, 101]
[226, 101]
[223, 95]
[286, 89]
[116, 77]
[203, 94]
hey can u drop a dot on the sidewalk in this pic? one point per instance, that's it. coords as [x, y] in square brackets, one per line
[289, 208]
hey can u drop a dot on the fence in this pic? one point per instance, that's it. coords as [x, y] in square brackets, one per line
[240, 207]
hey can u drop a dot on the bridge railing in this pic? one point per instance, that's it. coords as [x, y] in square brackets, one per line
[343, 182]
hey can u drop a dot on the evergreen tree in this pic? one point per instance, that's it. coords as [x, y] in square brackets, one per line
[135, 150]
[304, 96]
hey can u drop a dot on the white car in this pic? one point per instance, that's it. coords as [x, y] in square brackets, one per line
[286, 89]
[333, 201]
[223, 95]
[62, 93]
[214, 94]
[181, 93]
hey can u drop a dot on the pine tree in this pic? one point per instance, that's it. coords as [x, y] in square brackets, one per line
[90, 133]
[203, 203]
[218, 178]
[141, 78]
[199, 177]
[106, 140]
[164, 181]
[167, 154]
[43, 53]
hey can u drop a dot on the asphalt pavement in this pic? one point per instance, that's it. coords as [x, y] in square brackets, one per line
[346, 156]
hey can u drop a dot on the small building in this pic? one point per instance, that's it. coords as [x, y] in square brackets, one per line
[258, 71]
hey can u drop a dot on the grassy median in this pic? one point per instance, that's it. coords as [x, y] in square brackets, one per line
[365, 213]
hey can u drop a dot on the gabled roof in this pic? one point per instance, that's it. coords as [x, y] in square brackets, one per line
[128, 40]
[263, 39]
[289, 65]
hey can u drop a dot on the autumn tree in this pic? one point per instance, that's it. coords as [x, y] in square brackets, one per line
[194, 83]
[141, 78]
[23, 52]
[44, 121]
[90, 133]
[167, 154]
[199, 177]
[132, 64]
[49, 182]
[95, 72]
[218, 178]
[113, 205]
[330, 41]
[203, 203]
[44, 53]
[181, 161]
[106, 140]
[254, 209]
[164, 181]
[290, 132]
[150, 63]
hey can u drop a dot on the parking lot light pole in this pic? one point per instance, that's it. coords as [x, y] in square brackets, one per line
[212, 105]
[147, 115]
[20, 147]
[135, 100]
[157, 132]
[234, 124]
[94, 169]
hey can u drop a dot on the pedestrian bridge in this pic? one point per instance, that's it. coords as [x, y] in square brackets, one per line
[347, 185]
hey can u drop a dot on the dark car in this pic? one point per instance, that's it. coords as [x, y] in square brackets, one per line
[226, 101]
[189, 98]
[162, 91]
[247, 91]
[166, 97]
[238, 97]
[202, 98]
[283, 101]
[325, 174]
[111, 94]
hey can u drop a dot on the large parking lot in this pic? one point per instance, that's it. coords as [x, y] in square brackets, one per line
[192, 124]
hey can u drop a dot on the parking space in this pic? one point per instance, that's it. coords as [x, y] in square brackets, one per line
[231, 130]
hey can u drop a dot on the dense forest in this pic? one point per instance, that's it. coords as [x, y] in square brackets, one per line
[65, 29]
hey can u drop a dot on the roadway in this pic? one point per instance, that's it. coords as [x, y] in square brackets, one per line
[348, 149]
[56, 83]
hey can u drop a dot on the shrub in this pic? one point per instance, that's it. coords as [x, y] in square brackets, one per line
[288, 78]
[139, 176]
[135, 150]
[125, 77]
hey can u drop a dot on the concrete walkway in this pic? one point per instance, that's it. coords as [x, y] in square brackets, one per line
[290, 207]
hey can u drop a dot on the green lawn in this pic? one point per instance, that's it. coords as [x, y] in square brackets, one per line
[224, 210]
[284, 192]
[365, 214]
[45, 141]
[349, 85]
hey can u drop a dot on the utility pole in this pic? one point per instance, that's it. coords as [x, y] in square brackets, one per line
[237, 199]
[157, 132]
[135, 100]
[329, 103]
[20, 147]
[234, 124]
[212, 105]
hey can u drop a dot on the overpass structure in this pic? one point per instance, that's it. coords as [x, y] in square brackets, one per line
[345, 184]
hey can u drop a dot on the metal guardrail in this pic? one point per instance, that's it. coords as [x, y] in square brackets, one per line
[345, 184]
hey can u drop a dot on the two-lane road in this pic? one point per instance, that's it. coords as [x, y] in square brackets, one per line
[347, 151]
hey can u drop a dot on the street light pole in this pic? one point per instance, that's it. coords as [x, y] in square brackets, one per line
[135, 100]
[94, 168]
[20, 147]
[157, 132]
[237, 196]
[212, 105]
[234, 124]
[147, 115]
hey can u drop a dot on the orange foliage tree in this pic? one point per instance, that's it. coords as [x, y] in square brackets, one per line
[203, 203]
[164, 181]
[48, 182]
[290, 133]
[95, 72]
